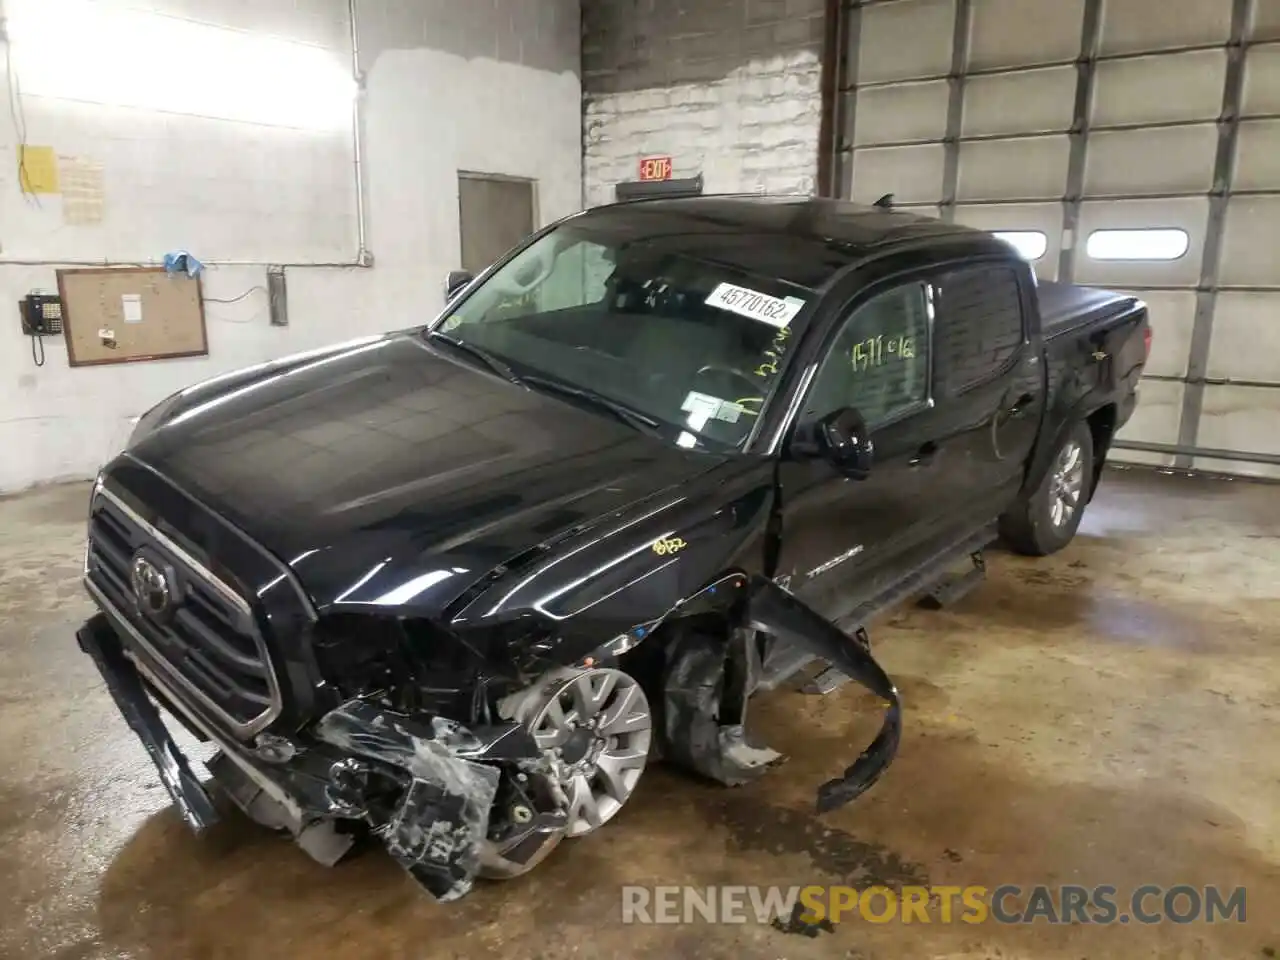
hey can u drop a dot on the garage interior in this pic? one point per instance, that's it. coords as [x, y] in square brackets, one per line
[1108, 715]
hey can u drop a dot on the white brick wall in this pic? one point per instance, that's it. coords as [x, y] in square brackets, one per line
[504, 98]
[754, 131]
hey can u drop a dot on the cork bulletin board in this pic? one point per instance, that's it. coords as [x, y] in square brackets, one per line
[125, 314]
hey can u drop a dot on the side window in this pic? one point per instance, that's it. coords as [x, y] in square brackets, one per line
[879, 361]
[979, 326]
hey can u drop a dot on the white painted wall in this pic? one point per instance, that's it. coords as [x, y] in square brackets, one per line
[755, 131]
[266, 195]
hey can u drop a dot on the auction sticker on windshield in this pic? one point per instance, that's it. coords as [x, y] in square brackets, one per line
[775, 311]
[707, 407]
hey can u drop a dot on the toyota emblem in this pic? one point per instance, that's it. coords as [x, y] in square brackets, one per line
[151, 587]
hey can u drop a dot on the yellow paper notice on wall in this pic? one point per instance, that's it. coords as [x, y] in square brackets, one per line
[37, 169]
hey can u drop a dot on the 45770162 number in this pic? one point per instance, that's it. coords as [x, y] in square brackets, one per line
[879, 350]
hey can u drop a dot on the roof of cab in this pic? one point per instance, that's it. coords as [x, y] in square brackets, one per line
[824, 235]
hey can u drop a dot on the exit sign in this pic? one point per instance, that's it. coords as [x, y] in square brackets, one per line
[655, 168]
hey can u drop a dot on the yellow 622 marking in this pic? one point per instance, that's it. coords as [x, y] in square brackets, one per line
[669, 545]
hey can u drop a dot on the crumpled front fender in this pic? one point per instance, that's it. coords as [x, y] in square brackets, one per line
[773, 610]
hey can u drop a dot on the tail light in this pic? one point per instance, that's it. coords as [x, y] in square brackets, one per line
[1146, 339]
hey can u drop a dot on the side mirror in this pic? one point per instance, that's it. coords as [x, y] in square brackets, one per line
[456, 281]
[843, 440]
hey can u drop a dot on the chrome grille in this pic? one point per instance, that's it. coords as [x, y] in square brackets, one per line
[209, 642]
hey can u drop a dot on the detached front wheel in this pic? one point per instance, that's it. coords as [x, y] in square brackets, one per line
[1046, 522]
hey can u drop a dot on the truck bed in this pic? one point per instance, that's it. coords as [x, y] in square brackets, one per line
[1065, 307]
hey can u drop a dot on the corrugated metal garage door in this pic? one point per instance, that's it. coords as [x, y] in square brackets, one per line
[1128, 143]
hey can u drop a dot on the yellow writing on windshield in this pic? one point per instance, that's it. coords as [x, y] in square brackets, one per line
[773, 354]
[880, 350]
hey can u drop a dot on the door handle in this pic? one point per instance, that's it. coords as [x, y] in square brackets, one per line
[924, 456]
[1019, 406]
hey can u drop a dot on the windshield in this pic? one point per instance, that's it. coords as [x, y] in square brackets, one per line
[658, 325]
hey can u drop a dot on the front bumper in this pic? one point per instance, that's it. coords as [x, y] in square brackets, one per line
[99, 641]
[425, 787]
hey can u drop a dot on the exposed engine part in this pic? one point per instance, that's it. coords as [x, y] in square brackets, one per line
[450, 802]
[595, 729]
[439, 822]
[528, 820]
[348, 788]
[273, 749]
[527, 823]
[418, 667]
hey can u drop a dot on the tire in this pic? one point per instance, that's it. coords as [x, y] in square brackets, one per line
[1045, 522]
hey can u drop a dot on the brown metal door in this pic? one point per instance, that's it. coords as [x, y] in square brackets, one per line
[495, 214]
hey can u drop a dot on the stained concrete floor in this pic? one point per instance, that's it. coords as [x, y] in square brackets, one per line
[1109, 715]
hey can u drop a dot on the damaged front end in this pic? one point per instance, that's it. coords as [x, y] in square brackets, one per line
[428, 787]
[775, 612]
[464, 767]
[450, 801]
[709, 680]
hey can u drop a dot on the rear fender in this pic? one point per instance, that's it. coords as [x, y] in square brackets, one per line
[1057, 427]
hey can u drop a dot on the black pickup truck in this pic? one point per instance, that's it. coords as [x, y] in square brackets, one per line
[452, 588]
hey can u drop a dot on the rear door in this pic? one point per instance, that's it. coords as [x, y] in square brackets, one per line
[987, 386]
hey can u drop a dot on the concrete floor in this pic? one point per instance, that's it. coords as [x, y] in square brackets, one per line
[1109, 715]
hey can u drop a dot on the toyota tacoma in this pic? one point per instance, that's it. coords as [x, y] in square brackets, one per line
[451, 588]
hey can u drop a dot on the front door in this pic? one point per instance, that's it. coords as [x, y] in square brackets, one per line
[844, 540]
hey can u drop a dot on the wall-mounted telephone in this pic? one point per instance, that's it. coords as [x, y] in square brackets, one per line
[41, 315]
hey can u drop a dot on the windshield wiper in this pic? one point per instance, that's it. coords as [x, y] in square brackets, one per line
[484, 356]
[632, 418]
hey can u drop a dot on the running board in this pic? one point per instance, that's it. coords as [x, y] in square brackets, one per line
[931, 578]
[953, 589]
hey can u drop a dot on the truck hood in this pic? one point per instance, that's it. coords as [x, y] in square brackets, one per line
[387, 474]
